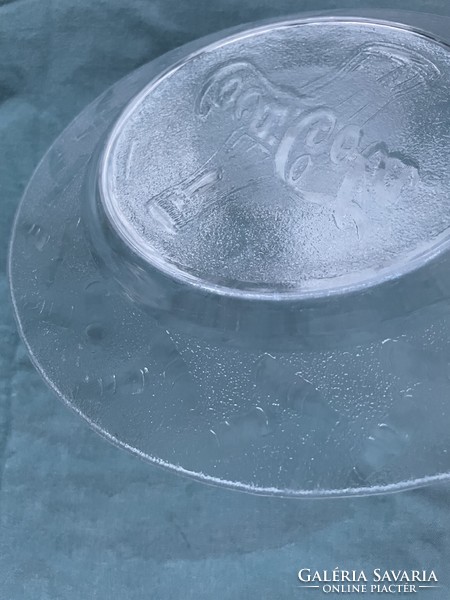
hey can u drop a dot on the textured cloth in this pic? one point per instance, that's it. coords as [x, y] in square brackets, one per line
[80, 519]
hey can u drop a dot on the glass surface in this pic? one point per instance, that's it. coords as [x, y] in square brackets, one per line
[234, 263]
[297, 158]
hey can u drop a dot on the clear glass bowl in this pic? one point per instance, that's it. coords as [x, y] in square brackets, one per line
[235, 262]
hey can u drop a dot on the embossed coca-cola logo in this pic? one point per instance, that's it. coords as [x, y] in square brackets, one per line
[302, 138]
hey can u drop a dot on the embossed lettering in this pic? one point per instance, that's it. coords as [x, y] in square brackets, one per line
[301, 138]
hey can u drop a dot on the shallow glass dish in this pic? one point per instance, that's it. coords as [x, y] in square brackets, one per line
[235, 262]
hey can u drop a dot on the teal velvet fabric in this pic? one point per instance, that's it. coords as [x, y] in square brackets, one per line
[80, 519]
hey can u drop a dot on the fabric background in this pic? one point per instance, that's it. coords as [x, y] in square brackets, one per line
[80, 519]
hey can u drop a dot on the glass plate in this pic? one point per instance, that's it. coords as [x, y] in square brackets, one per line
[235, 264]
